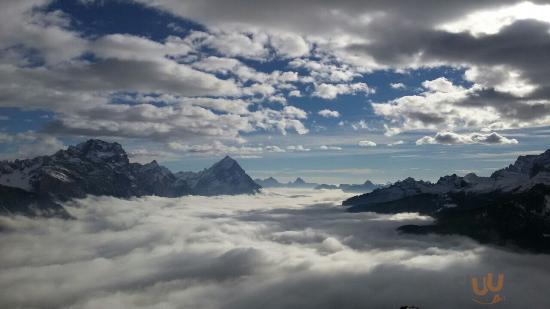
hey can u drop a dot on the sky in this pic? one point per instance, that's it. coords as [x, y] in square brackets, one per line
[284, 248]
[332, 91]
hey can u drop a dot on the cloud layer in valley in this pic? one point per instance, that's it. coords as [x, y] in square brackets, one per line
[279, 249]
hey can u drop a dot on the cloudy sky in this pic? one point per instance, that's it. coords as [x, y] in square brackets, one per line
[333, 91]
[278, 249]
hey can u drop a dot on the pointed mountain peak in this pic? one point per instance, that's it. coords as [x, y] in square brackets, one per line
[299, 180]
[226, 163]
[228, 158]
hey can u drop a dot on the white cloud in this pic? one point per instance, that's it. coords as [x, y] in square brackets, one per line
[396, 143]
[129, 47]
[215, 147]
[500, 78]
[490, 21]
[360, 125]
[325, 71]
[294, 112]
[398, 85]
[325, 147]
[25, 24]
[41, 66]
[327, 113]
[249, 45]
[295, 93]
[366, 144]
[450, 138]
[331, 91]
[297, 148]
[289, 45]
[273, 148]
[237, 251]
[29, 144]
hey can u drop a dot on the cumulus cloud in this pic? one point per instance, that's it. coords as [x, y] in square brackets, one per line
[297, 248]
[157, 94]
[295, 93]
[331, 91]
[47, 64]
[250, 45]
[451, 138]
[366, 144]
[398, 85]
[290, 45]
[510, 88]
[327, 113]
[441, 106]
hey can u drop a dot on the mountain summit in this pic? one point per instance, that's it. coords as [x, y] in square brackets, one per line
[97, 167]
[224, 177]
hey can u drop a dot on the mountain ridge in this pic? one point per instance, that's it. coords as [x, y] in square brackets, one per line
[299, 182]
[96, 167]
[503, 208]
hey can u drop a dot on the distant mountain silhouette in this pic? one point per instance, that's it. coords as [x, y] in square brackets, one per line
[271, 182]
[268, 182]
[274, 183]
[96, 167]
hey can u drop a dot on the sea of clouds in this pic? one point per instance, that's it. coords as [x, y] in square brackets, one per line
[282, 248]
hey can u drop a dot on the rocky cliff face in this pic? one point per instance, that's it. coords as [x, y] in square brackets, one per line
[512, 206]
[100, 168]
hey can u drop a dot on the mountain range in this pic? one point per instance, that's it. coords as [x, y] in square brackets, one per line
[271, 182]
[274, 183]
[34, 186]
[510, 207]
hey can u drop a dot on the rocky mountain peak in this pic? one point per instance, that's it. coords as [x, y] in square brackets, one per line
[526, 166]
[226, 163]
[99, 151]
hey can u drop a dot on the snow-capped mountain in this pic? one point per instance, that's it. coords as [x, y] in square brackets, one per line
[100, 168]
[521, 176]
[512, 205]
[224, 177]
